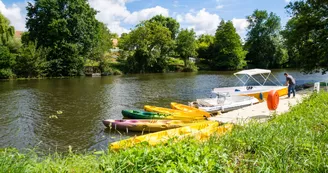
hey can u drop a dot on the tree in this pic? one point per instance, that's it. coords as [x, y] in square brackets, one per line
[103, 42]
[205, 49]
[306, 35]
[31, 61]
[186, 44]
[167, 22]
[263, 41]
[6, 31]
[228, 51]
[148, 46]
[7, 59]
[68, 28]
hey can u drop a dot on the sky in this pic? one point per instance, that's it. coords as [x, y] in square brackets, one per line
[202, 15]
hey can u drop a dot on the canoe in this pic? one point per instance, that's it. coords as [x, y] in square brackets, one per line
[137, 114]
[149, 125]
[186, 108]
[201, 131]
[175, 113]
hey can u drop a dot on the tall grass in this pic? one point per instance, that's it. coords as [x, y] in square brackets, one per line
[296, 141]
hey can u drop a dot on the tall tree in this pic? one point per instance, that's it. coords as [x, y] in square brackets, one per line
[68, 27]
[186, 45]
[31, 62]
[204, 42]
[7, 59]
[228, 51]
[148, 46]
[167, 22]
[103, 42]
[6, 31]
[263, 42]
[306, 35]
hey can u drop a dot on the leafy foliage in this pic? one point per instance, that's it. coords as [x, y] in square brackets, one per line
[228, 51]
[149, 45]
[306, 34]
[186, 44]
[7, 59]
[103, 42]
[263, 42]
[167, 22]
[205, 50]
[6, 31]
[32, 61]
[68, 28]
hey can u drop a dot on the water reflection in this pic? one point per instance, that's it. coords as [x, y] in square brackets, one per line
[26, 106]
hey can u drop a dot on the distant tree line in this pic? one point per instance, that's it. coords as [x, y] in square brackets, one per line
[64, 35]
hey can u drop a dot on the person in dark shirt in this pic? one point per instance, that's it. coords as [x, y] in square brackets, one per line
[290, 81]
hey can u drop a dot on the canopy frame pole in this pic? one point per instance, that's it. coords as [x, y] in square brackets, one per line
[241, 79]
[265, 79]
[257, 80]
[277, 80]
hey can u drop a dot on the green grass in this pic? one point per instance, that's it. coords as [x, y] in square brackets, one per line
[296, 141]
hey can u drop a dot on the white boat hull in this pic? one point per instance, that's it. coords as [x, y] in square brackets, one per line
[224, 104]
[259, 92]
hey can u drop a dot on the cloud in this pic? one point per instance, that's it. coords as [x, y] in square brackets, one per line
[115, 14]
[219, 7]
[145, 14]
[111, 12]
[241, 26]
[15, 14]
[202, 21]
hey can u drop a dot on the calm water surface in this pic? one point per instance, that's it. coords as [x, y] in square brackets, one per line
[26, 106]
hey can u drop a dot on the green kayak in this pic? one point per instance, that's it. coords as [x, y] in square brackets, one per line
[136, 114]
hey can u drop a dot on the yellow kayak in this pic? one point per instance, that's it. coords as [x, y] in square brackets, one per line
[150, 125]
[201, 131]
[186, 108]
[175, 113]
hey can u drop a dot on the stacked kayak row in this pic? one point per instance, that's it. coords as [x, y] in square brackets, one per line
[158, 118]
[179, 122]
[152, 125]
[201, 131]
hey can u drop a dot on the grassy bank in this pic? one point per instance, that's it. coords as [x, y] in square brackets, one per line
[296, 141]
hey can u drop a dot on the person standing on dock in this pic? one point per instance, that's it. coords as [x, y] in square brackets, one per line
[290, 81]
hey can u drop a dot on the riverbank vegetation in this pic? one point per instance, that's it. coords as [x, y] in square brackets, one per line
[292, 142]
[64, 37]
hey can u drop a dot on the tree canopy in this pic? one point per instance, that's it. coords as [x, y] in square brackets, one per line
[6, 31]
[228, 52]
[263, 42]
[7, 59]
[186, 45]
[306, 34]
[64, 37]
[167, 22]
[149, 45]
[68, 27]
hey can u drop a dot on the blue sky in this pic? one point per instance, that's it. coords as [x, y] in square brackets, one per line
[201, 15]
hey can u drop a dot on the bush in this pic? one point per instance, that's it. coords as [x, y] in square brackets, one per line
[6, 74]
[32, 62]
[191, 67]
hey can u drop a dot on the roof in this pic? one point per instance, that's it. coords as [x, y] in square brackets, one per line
[18, 34]
[252, 72]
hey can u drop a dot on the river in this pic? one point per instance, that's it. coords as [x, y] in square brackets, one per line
[53, 114]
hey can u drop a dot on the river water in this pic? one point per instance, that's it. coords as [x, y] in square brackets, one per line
[53, 114]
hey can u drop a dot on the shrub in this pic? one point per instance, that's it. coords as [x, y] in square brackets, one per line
[6, 74]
